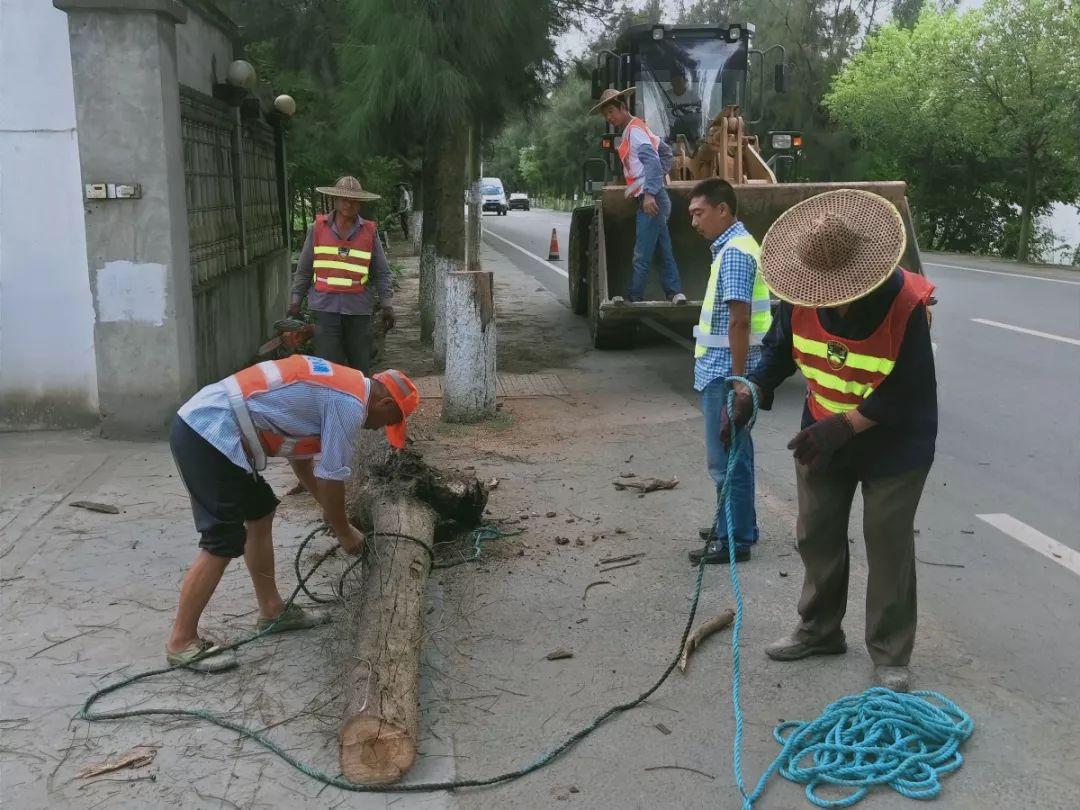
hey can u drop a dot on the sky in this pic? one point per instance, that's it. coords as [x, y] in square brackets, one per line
[1063, 220]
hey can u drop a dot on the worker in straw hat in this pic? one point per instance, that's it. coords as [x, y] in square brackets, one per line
[857, 326]
[342, 259]
[298, 408]
[646, 160]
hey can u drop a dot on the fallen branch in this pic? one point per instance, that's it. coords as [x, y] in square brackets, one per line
[647, 484]
[623, 565]
[704, 630]
[623, 558]
[942, 564]
[590, 585]
[680, 768]
[94, 506]
[134, 759]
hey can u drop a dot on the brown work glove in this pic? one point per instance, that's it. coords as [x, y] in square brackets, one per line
[388, 317]
[817, 444]
[743, 408]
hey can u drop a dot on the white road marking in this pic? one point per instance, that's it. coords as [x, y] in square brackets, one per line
[1002, 273]
[531, 255]
[1022, 330]
[1036, 540]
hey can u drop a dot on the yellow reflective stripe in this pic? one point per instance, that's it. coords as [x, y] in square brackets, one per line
[833, 407]
[863, 362]
[353, 253]
[359, 269]
[835, 383]
[337, 282]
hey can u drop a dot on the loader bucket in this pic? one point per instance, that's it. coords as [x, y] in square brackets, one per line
[759, 206]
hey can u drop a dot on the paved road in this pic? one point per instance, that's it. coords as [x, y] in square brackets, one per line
[1007, 476]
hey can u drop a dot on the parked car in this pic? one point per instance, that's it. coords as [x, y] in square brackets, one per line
[493, 196]
[519, 199]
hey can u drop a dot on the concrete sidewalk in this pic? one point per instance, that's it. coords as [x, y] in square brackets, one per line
[87, 599]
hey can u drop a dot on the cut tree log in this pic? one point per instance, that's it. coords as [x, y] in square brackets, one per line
[379, 736]
[399, 498]
[469, 382]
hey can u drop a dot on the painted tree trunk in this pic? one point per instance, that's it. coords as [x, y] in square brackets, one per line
[427, 248]
[469, 382]
[476, 228]
[450, 228]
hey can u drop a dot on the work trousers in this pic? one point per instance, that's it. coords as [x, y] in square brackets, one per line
[889, 506]
[344, 339]
[713, 403]
[652, 235]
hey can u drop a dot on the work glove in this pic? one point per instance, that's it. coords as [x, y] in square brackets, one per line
[294, 310]
[388, 317]
[744, 409]
[816, 445]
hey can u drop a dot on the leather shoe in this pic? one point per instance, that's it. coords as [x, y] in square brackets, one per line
[706, 533]
[717, 554]
[792, 648]
[896, 678]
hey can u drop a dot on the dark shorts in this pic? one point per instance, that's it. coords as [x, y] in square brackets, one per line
[223, 496]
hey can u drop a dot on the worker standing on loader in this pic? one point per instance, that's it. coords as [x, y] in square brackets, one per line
[646, 159]
[735, 316]
[341, 256]
[856, 325]
[298, 408]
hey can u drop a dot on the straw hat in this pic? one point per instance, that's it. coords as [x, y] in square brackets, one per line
[349, 188]
[833, 248]
[610, 95]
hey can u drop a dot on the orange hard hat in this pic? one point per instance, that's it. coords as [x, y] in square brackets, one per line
[406, 396]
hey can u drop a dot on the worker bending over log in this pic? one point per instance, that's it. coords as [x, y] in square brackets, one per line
[298, 408]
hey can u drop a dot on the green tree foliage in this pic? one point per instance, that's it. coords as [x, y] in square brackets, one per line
[978, 112]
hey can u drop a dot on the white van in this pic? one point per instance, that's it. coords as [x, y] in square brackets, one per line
[493, 197]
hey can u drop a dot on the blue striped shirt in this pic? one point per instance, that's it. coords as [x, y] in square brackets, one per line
[735, 282]
[299, 409]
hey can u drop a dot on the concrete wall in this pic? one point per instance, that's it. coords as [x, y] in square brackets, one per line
[242, 307]
[205, 45]
[47, 366]
[128, 114]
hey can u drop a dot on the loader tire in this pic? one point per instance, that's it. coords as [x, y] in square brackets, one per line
[605, 336]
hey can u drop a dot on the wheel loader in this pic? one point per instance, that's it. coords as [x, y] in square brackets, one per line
[692, 88]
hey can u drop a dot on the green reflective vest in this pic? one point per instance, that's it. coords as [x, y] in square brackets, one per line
[760, 309]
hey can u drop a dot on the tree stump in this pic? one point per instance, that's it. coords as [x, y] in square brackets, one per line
[469, 382]
[397, 496]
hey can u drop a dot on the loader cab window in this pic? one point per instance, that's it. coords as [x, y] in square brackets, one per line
[682, 85]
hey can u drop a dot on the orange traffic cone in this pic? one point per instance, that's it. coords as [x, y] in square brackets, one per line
[553, 249]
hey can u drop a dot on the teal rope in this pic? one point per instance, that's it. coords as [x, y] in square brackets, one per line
[880, 737]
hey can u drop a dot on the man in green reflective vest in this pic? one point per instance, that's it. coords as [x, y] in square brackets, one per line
[735, 315]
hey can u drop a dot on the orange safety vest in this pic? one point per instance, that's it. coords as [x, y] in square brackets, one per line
[272, 374]
[633, 182]
[341, 265]
[840, 373]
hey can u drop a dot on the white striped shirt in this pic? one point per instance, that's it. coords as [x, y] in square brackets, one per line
[296, 410]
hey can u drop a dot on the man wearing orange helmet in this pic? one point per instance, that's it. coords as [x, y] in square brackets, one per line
[298, 408]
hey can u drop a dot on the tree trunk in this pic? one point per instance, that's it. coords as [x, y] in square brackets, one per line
[430, 183]
[450, 228]
[469, 383]
[1028, 205]
[472, 254]
[378, 739]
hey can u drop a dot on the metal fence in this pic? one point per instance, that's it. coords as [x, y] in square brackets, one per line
[233, 176]
[214, 242]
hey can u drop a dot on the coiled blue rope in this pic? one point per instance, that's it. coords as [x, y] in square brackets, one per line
[880, 737]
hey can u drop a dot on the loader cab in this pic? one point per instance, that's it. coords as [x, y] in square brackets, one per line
[684, 75]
